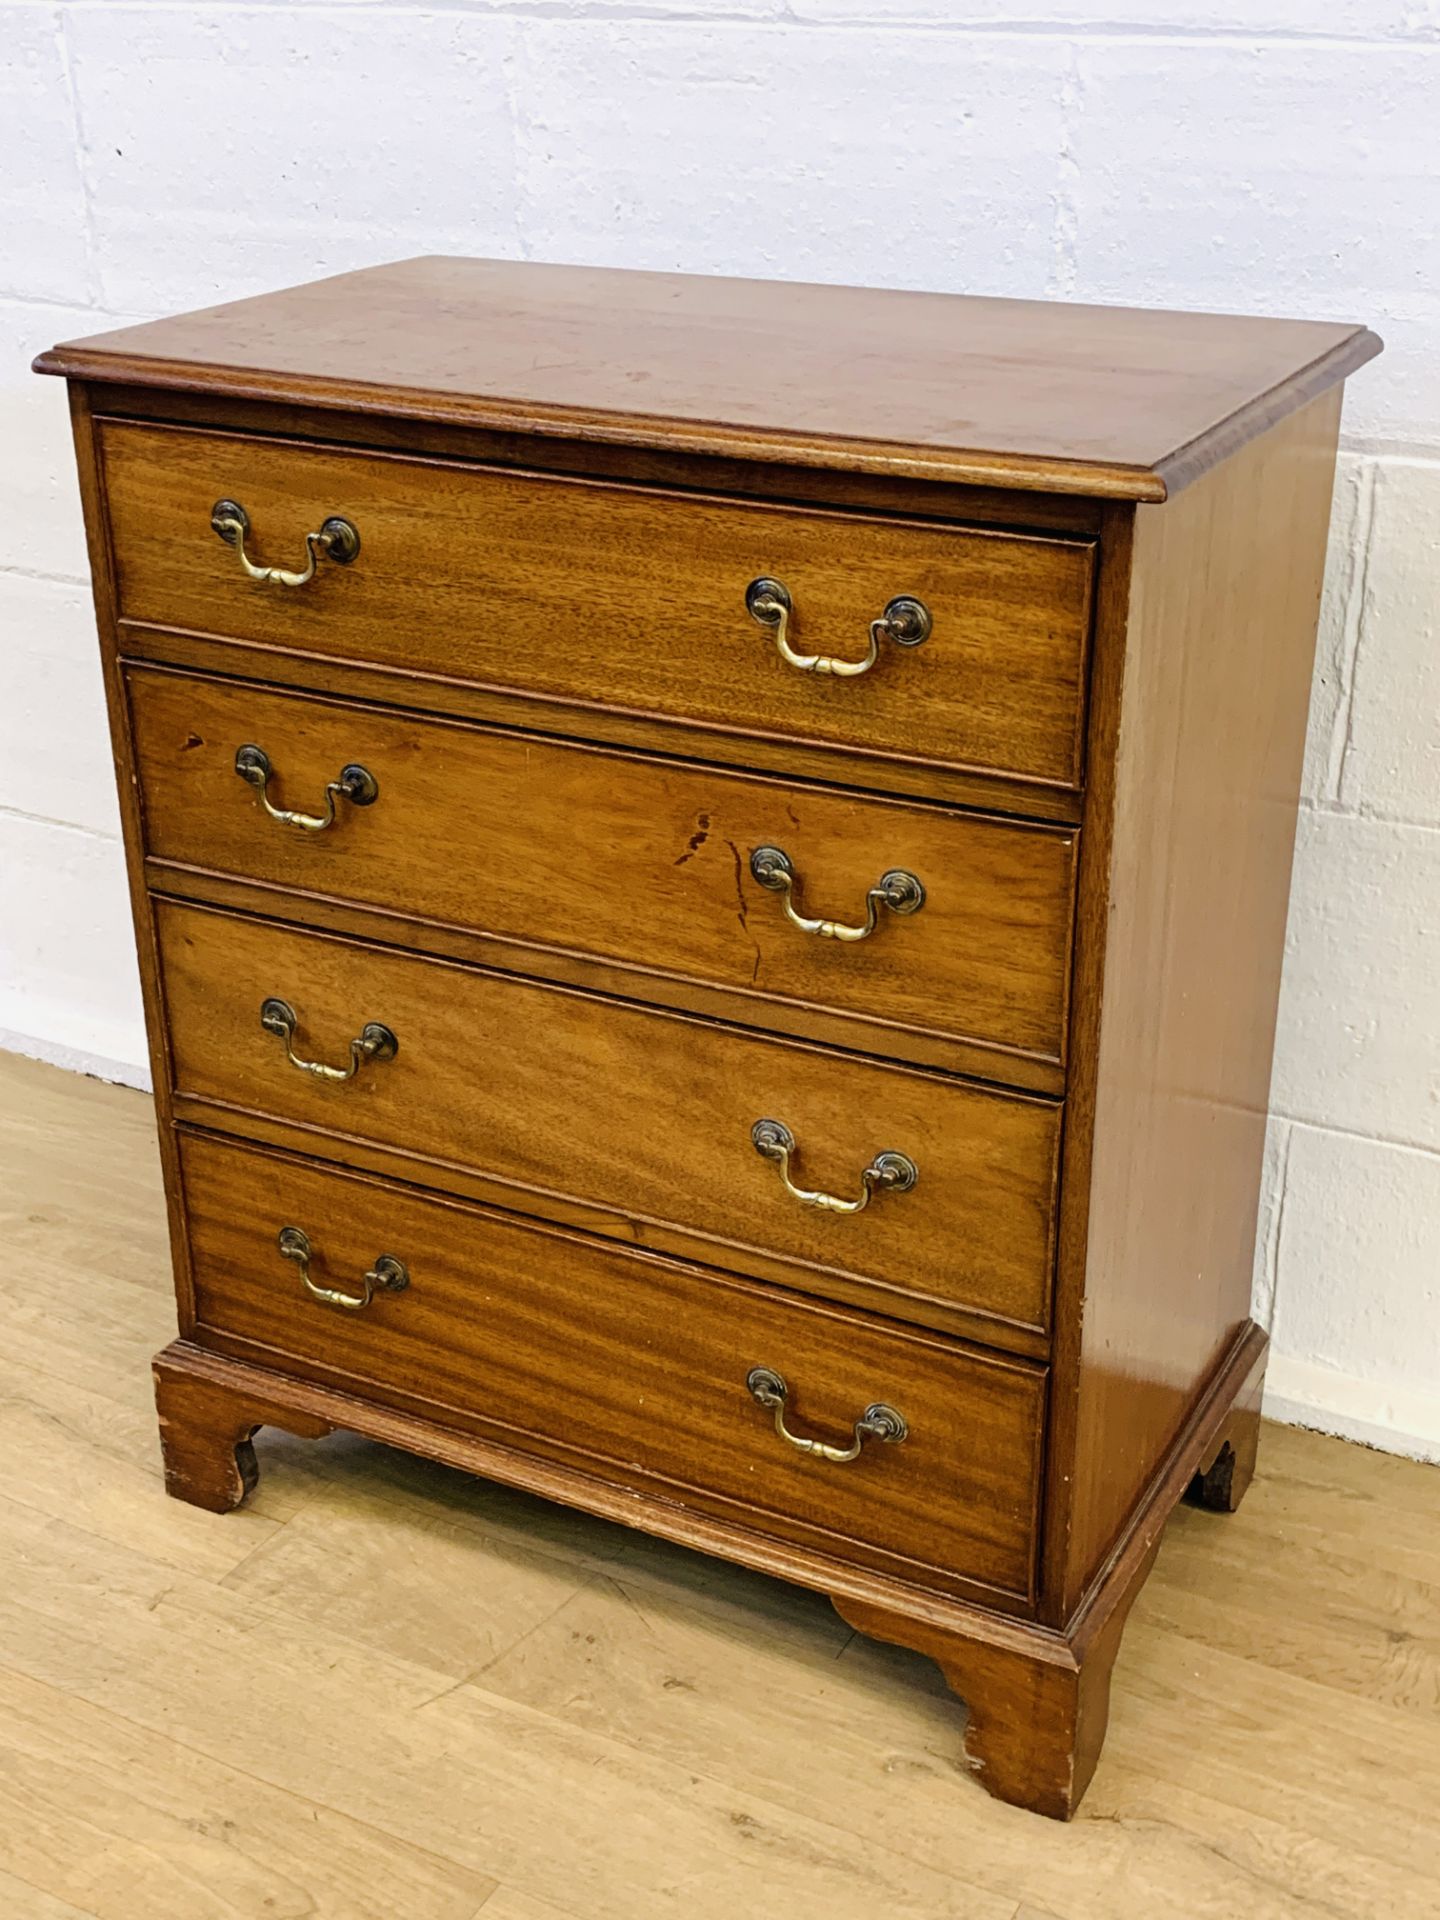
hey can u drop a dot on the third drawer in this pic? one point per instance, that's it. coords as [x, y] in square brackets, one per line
[629, 1120]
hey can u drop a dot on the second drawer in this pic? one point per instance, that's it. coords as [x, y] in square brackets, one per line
[639, 1122]
[623, 858]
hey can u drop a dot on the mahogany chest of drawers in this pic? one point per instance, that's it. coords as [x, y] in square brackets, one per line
[710, 864]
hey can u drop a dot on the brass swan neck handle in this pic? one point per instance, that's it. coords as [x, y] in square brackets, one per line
[887, 1172]
[877, 1422]
[899, 891]
[373, 1042]
[388, 1274]
[354, 783]
[905, 620]
[335, 539]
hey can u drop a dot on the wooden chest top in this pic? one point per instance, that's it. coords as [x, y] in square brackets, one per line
[1110, 402]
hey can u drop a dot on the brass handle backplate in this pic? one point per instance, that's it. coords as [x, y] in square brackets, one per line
[901, 892]
[905, 620]
[373, 1042]
[388, 1274]
[355, 784]
[878, 1422]
[887, 1172]
[335, 539]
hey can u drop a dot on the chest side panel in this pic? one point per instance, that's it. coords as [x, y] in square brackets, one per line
[1202, 691]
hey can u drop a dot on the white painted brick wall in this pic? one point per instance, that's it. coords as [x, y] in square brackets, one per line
[1254, 155]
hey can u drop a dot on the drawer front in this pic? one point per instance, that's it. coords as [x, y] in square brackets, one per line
[618, 598]
[621, 858]
[561, 1096]
[628, 1364]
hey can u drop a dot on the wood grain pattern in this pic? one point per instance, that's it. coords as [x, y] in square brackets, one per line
[206, 1434]
[528, 582]
[394, 685]
[634, 860]
[1192, 834]
[1104, 401]
[880, 492]
[107, 1812]
[859, 1033]
[550, 1093]
[653, 1391]
[1222, 1480]
[100, 552]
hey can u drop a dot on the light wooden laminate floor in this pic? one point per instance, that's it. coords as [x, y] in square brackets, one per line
[385, 1690]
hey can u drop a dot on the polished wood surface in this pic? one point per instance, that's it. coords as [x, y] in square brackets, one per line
[484, 1336]
[622, 858]
[528, 582]
[449, 1661]
[864, 770]
[1199, 805]
[100, 554]
[1131, 684]
[556, 1095]
[862, 490]
[1103, 401]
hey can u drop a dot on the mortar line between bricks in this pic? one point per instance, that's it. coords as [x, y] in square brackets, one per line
[9, 571]
[512, 61]
[1115, 30]
[18, 297]
[1426, 1149]
[1352, 630]
[1330, 810]
[1377, 447]
[8, 812]
[1064, 239]
[1038, 27]
[1273, 1238]
[1362, 627]
[82, 158]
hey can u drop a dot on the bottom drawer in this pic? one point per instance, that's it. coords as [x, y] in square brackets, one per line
[627, 1364]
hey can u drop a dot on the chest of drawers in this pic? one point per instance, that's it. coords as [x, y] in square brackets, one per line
[710, 866]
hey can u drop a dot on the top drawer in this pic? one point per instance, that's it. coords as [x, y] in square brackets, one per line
[597, 595]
